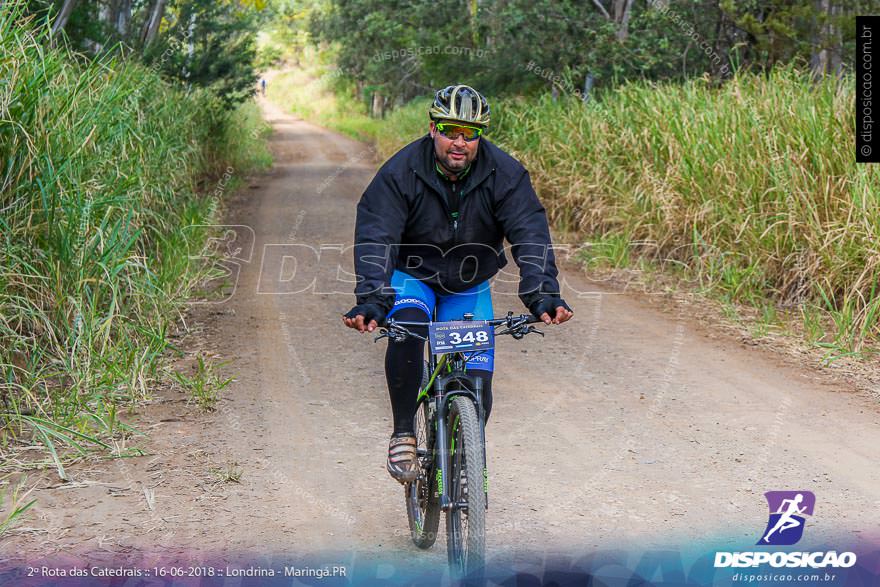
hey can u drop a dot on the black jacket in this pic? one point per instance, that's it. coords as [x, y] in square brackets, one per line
[404, 223]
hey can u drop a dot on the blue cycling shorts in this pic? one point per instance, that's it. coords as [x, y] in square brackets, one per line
[412, 293]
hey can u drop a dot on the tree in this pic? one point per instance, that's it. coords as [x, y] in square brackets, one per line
[120, 16]
[827, 44]
[151, 24]
[209, 44]
[815, 34]
[63, 16]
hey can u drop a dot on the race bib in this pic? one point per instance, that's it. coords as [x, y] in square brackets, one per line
[460, 335]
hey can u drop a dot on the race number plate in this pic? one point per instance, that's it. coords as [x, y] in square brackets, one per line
[461, 335]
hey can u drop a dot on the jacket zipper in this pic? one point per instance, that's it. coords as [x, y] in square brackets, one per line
[436, 190]
[439, 193]
[455, 219]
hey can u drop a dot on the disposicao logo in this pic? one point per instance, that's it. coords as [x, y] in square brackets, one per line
[788, 511]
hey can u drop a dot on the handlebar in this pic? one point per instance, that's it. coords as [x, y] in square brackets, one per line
[516, 326]
[508, 320]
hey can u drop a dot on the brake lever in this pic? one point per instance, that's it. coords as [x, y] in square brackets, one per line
[395, 334]
[533, 329]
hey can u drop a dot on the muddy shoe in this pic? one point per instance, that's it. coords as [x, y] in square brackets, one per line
[403, 459]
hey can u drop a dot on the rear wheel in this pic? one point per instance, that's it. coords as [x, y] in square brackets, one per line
[466, 519]
[422, 499]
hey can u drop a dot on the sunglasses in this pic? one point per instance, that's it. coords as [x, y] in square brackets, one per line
[451, 131]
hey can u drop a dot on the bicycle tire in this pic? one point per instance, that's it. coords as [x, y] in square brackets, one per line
[422, 499]
[466, 531]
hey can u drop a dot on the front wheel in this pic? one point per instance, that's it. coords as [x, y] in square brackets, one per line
[466, 519]
[422, 499]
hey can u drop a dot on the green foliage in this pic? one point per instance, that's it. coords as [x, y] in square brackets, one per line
[782, 31]
[384, 46]
[286, 29]
[236, 140]
[312, 97]
[205, 43]
[399, 50]
[210, 46]
[83, 29]
[268, 55]
[97, 191]
[205, 385]
[16, 508]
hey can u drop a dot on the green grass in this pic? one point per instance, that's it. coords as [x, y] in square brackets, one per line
[238, 143]
[204, 386]
[16, 497]
[103, 171]
[314, 95]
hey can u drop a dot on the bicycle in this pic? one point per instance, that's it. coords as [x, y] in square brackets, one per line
[451, 435]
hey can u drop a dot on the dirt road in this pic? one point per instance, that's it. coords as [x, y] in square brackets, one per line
[627, 426]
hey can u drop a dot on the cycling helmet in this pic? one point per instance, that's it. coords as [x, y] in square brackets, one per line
[460, 103]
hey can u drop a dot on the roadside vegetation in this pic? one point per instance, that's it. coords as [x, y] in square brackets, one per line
[750, 191]
[108, 176]
[735, 180]
[313, 93]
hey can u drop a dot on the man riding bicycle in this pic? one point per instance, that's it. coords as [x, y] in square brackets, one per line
[429, 234]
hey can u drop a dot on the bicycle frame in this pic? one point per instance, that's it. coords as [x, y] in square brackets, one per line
[441, 398]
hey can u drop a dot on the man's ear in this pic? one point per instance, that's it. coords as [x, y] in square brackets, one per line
[431, 128]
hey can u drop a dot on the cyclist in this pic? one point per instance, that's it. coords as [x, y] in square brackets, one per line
[429, 233]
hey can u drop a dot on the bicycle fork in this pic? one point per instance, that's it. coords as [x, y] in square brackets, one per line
[442, 443]
[478, 388]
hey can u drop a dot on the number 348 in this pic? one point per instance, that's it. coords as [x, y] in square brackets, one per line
[479, 336]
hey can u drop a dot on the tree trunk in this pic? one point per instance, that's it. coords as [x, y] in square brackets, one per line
[190, 46]
[123, 17]
[721, 47]
[63, 16]
[151, 26]
[602, 9]
[827, 41]
[474, 14]
[378, 107]
[107, 12]
[619, 5]
[623, 30]
[147, 20]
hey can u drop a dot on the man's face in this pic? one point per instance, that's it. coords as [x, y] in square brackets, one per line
[453, 155]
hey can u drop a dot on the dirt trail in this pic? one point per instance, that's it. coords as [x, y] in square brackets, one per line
[627, 426]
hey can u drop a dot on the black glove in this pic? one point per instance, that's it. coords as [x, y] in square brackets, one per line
[549, 305]
[369, 312]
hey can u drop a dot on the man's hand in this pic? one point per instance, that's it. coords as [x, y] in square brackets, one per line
[364, 318]
[551, 310]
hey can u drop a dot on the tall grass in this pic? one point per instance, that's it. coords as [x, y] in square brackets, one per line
[99, 166]
[750, 190]
[753, 187]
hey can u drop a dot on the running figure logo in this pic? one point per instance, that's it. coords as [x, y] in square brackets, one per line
[787, 511]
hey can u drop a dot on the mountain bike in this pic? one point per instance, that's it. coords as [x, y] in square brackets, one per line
[451, 435]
